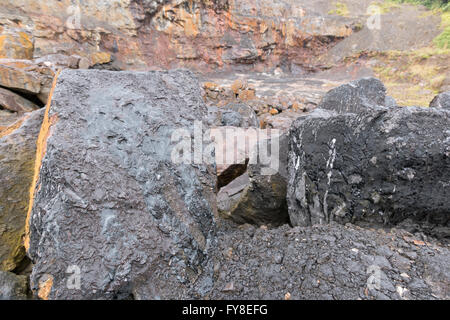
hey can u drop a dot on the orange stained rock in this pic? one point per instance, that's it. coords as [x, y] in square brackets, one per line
[262, 124]
[210, 85]
[419, 243]
[45, 287]
[100, 58]
[247, 95]
[16, 46]
[41, 148]
[4, 131]
[273, 111]
[238, 85]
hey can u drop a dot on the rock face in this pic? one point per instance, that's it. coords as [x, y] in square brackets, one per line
[259, 196]
[16, 44]
[441, 101]
[378, 167]
[17, 155]
[112, 205]
[27, 78]
[356, 96]
[233, 148]
[329, 262]
[12, 287]
[15, 103]
[205, 35]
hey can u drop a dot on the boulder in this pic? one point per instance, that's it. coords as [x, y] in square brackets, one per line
[233, 147]
[115, 212]
[233, 115]
[281, 121]
[26, 77]
[357, 96]
[259, 196]
[13, 287]
[238, 115]
[442, 100]
[377, 168]
[15, 103]
[16, 44]
[58, 60]
[17, 155]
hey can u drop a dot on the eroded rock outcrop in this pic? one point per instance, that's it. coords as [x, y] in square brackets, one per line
[205, 35]
[17, 156]
[27, 78]
[16, 44]
[110, 203]
[377, 167]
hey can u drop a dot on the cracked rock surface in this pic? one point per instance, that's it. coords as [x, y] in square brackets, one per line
[111, 205]
[378, 167]
[329, 262]
[17, 155]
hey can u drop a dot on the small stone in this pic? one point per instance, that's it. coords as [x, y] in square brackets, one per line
[273, 111]
[238, 85]
[441, 101]
[84, 63]
[229, 287]
[100, 58]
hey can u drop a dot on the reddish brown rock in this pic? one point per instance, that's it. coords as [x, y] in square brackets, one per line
[15, 103]
[233, 147]
[27, 77]
[202, 35]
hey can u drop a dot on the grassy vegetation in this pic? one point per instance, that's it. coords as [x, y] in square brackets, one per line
[341, 10]
[412, 77]
[386, 6]
[438, 7]
[431, 4]
[443, 40]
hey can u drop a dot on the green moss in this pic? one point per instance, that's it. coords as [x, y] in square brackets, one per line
[412, 77]
[341, 10]
[386, 6]
[443, 40]
[431, 4]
